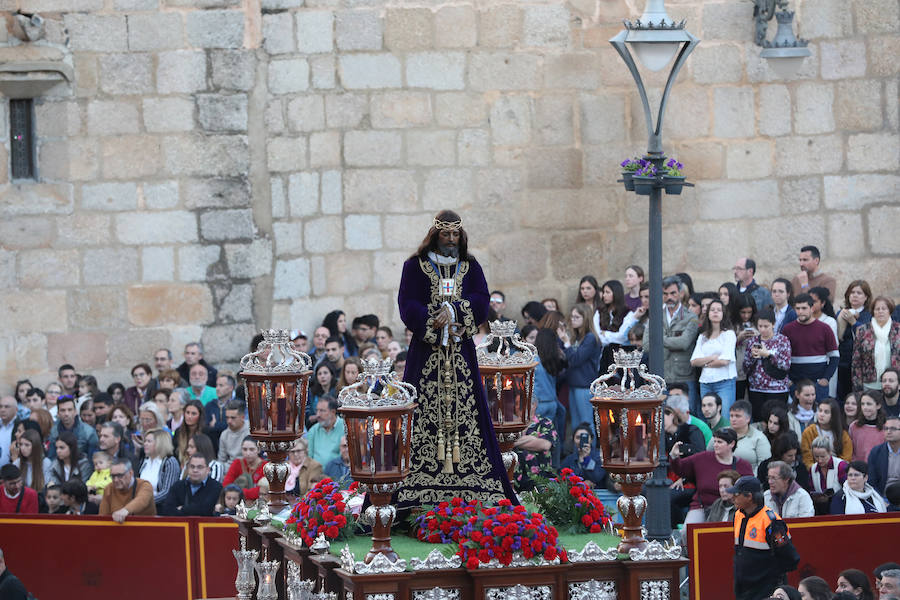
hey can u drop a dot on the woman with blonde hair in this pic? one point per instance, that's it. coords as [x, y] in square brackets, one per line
[303, 471]
[159, 467]
[582, 350]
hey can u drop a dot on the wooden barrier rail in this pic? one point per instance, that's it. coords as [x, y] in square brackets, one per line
[146, 558]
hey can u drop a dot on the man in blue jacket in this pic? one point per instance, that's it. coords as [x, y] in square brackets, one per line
[884, 459]
[195, 496]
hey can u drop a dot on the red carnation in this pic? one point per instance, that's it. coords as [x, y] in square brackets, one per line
[550, 553]
[595, 528]
[331, 532]
[586, 520]
[472, 563]
[504, 502]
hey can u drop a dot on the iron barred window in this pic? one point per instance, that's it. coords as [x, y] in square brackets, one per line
[21, 128]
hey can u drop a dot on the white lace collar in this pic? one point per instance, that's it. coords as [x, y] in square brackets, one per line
[441, 259]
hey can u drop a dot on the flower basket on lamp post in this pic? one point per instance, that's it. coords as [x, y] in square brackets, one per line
[508, 377]
[629, 425]
[378, 412]
[276, 377]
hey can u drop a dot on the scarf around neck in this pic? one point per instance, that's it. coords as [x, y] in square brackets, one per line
[882, 351]
[854, 500]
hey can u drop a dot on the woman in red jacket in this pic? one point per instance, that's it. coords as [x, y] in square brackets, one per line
[246, 471]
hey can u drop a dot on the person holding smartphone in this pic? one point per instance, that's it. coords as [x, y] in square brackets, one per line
[767, 359]
[585, 461]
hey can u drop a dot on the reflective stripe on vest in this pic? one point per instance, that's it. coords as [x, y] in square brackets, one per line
[755, 533]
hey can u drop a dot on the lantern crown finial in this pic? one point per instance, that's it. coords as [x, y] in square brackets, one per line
[276, 354]
[624, 379]
[377, 367]
[510, 350]
[378, 386]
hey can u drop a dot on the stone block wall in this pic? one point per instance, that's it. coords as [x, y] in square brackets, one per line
[218, 165]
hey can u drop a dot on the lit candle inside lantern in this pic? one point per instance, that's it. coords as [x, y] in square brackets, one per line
[508, 400]
[383, 446]
[640, 432]
[280, 408]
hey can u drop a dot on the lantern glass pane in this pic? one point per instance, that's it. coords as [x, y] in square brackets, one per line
[386, 444]
[506, 398]
[361, 437]
[614, 438]
[282, 408]
[256, 403]
[639, 436]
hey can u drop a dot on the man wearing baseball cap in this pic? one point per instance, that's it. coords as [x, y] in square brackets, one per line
[763, 551]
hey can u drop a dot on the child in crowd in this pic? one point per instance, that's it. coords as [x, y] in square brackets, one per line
[232, 495]
[54, 501]
[100, 477]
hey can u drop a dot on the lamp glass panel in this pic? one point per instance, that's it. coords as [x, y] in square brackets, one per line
[641, 424]
[283, 407]
[506, 397]
[256, 403]
[785, 68]
[386, 445]
[357, 435]
[655, 55]
[614, 438]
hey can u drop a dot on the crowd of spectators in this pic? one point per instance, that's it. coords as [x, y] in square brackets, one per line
[762, 380]
[851, 584]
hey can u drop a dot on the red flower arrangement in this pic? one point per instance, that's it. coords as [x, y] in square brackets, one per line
[570, 503]
[502, 531]
[443, 523]
[322, 510]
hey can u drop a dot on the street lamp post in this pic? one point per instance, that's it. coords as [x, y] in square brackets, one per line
[655, 38]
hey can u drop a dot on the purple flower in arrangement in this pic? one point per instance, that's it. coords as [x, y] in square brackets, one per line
[647, 170]
[673, 168]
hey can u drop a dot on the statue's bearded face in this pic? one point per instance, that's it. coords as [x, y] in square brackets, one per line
[448, 243]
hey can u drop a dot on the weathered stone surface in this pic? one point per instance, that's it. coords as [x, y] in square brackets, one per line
[455, 27]
[843, 59]
[324, 73]
[215, 28]
[736, 200]
[602, 117]
[882, 235]
[436, 70]
[85, 349]
[366, 71]
[379, 190]
[325, 149]
[882, 52]
[574, 254]
[749, 160]
[155, 305]
[194, 263]
[160, 195]
[112, 118]
[408, 28]
[157, 263]
[808, 155]
[7, 270]
[97, 33]
[358, 30]
[40, 310]
[286, 153]
[221, 225]
[579, 71]
[717, 63]
[324, 234]
[430, 148]
[857, 105]
[288, 76]
[733, 112]
[501, 26]
[459, 109]
[813, 111]
[349, 271]
[314, 31]
[303, 194]
[214, 192]
[278, 197]
[163, 115]
[546, 26]
[400, 109]
[216, 155]
[404, 232]
[777, 237]
[823, 19]
[56, 119]
[511, 120]
[131, 156]
[873, 152]
[48, 268]
[155, 31]
[345, 110]
[173, 226]
[292, 279]
[278, 33]
[774, 110]
[389, 266]
[373, 148]
[237, 305]
[106, 266]
[109, 196]
[181, 72]
[233, 69]
[583, 211]
[554, 120]
[850, 192]
[801, 194]
[26, 232]
[288, 238]
[126, 74]
[504, 71]
[217, 112]
[362, 232]
[227, 342]
[473, 147]
[97, 308]
[447, 188]
[876, 16]
[845, 235]
[306, 113]
[554, 168]
[249, 260]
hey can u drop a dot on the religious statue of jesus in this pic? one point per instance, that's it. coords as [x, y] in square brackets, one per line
[443, 298]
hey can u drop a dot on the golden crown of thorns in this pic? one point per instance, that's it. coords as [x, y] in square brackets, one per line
[447, 225]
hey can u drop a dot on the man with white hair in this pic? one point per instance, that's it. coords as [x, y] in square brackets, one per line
[890, 585]
[679, 402]
[785, 495]
[193, 355]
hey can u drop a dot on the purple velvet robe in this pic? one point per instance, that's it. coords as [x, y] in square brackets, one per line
[479, 473]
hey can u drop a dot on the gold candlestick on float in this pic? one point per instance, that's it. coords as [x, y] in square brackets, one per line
[629, 424]
[507, 373]
[378, 412]
[276, 377]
